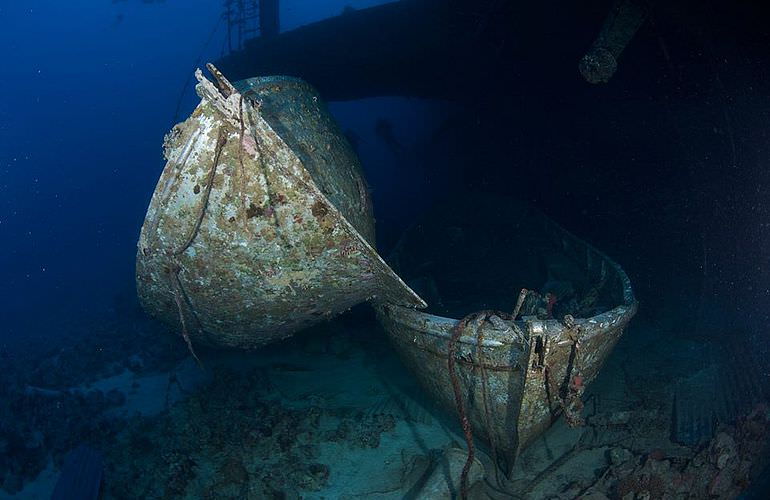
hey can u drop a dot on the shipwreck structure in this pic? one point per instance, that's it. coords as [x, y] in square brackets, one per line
[439, 48]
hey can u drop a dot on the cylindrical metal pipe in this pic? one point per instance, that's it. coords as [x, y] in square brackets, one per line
[620, 26]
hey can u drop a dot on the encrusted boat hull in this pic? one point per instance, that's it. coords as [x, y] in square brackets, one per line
[515, 386]
[261, 223]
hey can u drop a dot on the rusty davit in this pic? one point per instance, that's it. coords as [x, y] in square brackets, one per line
[541, 310]
[261, 223]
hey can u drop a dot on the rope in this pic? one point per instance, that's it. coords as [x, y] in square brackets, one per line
[176, 284]
[478, 318]
[456, 332]
[221, 141]
[174, 269]
[485, 397]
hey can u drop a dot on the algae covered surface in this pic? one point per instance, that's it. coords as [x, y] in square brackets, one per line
[261, 222]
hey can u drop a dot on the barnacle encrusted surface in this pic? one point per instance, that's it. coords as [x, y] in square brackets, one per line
[261, 223]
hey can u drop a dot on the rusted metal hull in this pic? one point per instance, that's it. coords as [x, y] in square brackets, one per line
[261, 222]
[515, 389]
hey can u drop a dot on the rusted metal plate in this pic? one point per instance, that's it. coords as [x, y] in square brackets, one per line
[261, 223]
[526, 379]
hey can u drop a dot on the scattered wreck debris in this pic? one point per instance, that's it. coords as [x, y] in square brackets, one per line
[723, 468]
[50, 405]
[624, 446]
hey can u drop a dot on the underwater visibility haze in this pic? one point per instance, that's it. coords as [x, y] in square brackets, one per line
[416, 249]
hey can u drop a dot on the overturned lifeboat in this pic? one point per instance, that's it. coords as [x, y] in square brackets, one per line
[521, 317]
[261, 223]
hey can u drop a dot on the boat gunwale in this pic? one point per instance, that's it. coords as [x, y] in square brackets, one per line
[441, 327]
[617, 317]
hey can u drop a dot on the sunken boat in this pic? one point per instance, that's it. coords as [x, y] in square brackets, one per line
[521, 317]
[261, 223]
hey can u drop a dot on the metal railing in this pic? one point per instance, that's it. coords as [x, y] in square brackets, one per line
[248, 19]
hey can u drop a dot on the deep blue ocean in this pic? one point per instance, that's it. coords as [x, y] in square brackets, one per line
[455, 249]
[99, 84]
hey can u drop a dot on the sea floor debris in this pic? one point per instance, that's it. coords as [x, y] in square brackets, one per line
[51, 399]
[333, 414]
[627, 449]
